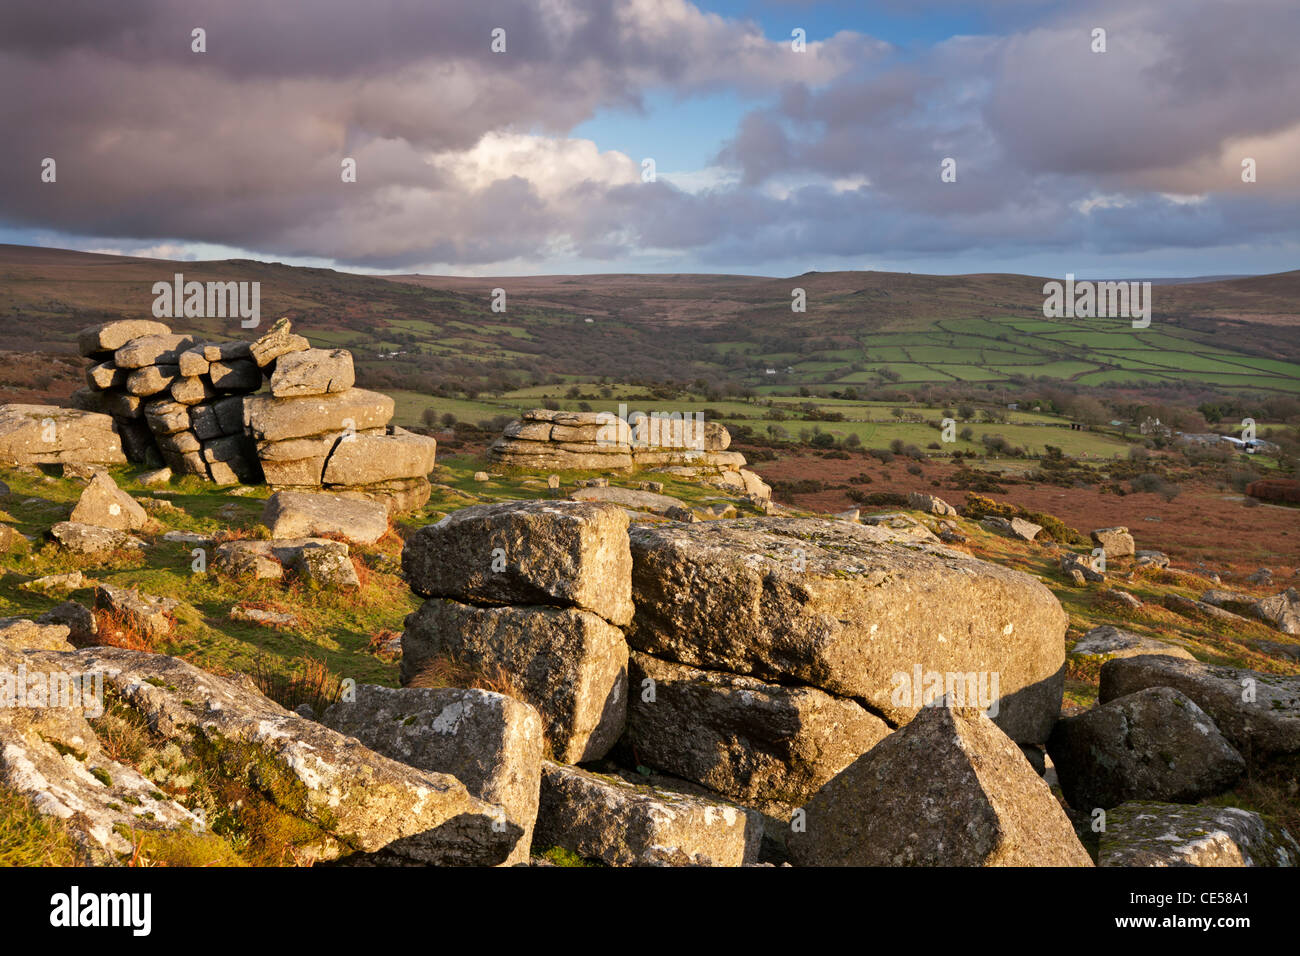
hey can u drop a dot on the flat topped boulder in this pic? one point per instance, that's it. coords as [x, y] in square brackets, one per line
[629, 498]
[300, 514]
[1115, 542]
[392, 455]
[561, 553]
[105, 505]
[22, 634]
[111, 336]
[275, 419]
[1146, 833]
[51, 434]
[312, 372]
[840, 607]
[1259, 713]
[1108, 642]
[949, 789]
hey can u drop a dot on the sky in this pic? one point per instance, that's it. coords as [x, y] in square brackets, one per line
[659, 135]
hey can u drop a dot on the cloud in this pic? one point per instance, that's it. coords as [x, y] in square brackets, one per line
[465, 157]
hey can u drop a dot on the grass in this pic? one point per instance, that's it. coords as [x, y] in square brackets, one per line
[31, 838]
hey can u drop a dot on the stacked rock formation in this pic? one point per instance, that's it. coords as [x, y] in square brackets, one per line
[754, 661]
[192, 403]
[172, 395]
[601, 441]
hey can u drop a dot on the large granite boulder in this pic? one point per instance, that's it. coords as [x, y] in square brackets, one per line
[489, 742]
[1155, 744]
[766, 745]
[564, 553]
[111, 336]
[949, 789]
[374, 458]
[276, 419]
[843, 608]
[569, 664]
[364, 802]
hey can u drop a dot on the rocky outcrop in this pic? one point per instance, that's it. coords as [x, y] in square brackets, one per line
[1164, 834]
[625, 824]
[841, 608]
[1155, 744]
[949, 789]
[601, 441]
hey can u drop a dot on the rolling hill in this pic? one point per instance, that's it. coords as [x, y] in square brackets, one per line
[424, 333]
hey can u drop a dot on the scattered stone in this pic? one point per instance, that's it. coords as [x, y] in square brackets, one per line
[1261, 578]
[326, 567]
[929, 504]
[489, 742]
[148, 615]
[91, 539]
[569, 664]
[1164, 834]
[105, 505]
[71, 581]
[1084, 565]
[1151, 559]
[482, 476]
[257, 615]
[527, 552]
[295, 514]
[1155, 744]
[853, 515]
[77, 618]
[949, 789]
[159, 476]
[1107, 643]
[628, 498]
[1011, 527]
[1129, 601]
[1115, 542]
[609, 819]
[682, 514]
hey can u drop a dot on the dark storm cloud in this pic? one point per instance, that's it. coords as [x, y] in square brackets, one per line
[463, 157]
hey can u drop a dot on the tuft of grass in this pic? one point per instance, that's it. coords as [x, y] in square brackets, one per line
[118, 629]
[31, 838]
[310, 682]
[452, 672]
